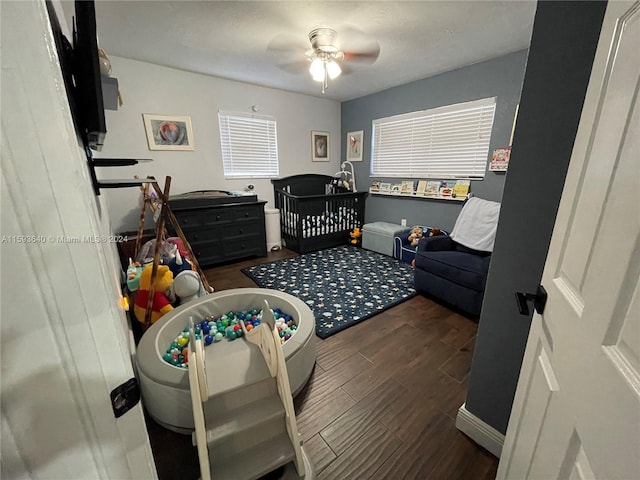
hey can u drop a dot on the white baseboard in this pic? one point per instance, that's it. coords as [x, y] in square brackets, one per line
[481, 433]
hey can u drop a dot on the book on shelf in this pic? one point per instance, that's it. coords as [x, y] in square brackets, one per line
[406, 188]
[446, 188]
[421, 189]
[433, 187]
[396, 188]
[461, 188]
[375, 186]
[385, 187]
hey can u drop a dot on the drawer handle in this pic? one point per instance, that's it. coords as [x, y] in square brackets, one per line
[196, 236]
[217, 217]
[197, 254]
[246, 214]
[184, 220]
[242, 230]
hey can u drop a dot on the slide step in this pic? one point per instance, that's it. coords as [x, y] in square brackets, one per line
[254, 463]
[235, 422]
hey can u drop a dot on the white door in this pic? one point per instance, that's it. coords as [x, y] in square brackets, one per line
[576, 412]
[63, 336]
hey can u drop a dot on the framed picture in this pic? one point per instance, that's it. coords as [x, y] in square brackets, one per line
[168, 132]
[354, 146]
[320, 146]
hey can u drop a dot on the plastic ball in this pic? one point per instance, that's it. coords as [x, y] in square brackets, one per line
[197, 330]
[237, 327]
[186, 329]
[287, 336]
[231, 335]
[282, 333]
[218, 337]
[208, 340]
[239, 333]
[241, 316]
[183, 341]
[167, 357]
[206, 329]
[249, 327]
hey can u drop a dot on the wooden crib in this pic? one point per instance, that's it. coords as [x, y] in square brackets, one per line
[316, 213]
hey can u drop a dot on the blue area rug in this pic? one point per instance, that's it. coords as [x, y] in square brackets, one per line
[342, 285]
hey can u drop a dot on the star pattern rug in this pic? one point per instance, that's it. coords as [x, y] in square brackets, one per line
[342, 285]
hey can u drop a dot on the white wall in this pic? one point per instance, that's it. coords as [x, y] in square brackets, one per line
[148, 88]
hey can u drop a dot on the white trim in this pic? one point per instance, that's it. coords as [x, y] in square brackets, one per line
[484, 435]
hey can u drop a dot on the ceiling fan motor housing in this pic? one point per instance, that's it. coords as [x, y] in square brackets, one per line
[322, 40]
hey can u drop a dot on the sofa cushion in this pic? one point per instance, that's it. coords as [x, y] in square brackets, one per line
[462, 268]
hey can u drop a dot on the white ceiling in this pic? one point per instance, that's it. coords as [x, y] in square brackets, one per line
[237, 39]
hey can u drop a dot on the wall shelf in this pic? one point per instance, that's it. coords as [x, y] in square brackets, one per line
[419, 197]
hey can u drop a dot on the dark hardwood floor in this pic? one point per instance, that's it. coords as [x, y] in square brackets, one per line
[381, 402]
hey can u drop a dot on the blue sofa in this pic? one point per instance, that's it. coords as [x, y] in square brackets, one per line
[452, 273]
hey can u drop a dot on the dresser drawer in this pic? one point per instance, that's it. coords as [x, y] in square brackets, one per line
[216, 216]
[246, 245]
[240, 229]
[188, 219]
[207, 252]
[248, 212]
[201, 235]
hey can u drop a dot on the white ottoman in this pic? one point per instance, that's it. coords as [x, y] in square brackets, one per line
[378, 236]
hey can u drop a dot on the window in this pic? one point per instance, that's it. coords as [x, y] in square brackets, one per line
[249, 145]
[444, 142]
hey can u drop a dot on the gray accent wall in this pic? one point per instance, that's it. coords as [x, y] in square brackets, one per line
[500, 77]
[565, 36]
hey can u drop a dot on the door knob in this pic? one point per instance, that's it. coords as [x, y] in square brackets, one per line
[539, 301]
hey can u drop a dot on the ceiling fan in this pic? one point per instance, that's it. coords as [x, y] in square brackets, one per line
[325, 59]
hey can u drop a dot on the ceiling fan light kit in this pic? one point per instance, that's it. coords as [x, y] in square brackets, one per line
[324, 56]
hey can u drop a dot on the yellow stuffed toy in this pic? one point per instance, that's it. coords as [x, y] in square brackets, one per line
[161, 303]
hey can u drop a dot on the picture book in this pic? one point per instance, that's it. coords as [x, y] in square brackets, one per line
[406, 188]
[396, 188]
[375, 186]
[446, 188]
[385, 187]
[461, 188]
[433, 187]
[421, 189]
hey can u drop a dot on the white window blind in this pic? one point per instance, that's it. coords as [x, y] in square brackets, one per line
[249, 145]
[445, 142]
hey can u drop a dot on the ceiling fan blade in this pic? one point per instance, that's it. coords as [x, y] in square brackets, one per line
[367, 57]
[287, 44]
[296, 67]
[357, 45]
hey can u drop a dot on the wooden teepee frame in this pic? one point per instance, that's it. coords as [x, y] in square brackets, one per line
[162, 202]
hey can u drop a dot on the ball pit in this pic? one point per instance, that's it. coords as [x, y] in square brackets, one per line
[165, 386]
[214, 328]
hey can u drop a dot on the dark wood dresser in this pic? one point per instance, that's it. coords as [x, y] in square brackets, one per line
[219, 226]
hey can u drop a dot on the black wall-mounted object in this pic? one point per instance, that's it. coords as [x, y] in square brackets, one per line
[81, 72]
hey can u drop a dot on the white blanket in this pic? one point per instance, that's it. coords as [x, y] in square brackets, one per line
[477, 224]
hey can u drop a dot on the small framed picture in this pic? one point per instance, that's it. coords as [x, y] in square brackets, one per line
[319, 146]
[168, 132]
[354, 146]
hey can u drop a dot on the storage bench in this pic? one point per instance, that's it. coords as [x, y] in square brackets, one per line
[378, 236]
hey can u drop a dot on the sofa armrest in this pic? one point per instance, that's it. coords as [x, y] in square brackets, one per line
[437, 243]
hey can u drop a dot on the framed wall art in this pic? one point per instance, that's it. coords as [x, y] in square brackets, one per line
[354, 146]
[320, 146]
[168, 132]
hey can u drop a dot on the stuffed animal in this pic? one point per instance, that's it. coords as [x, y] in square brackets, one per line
[161, 303]
[178, 264]
[188, 286]
[355, 235]
[415, 235]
